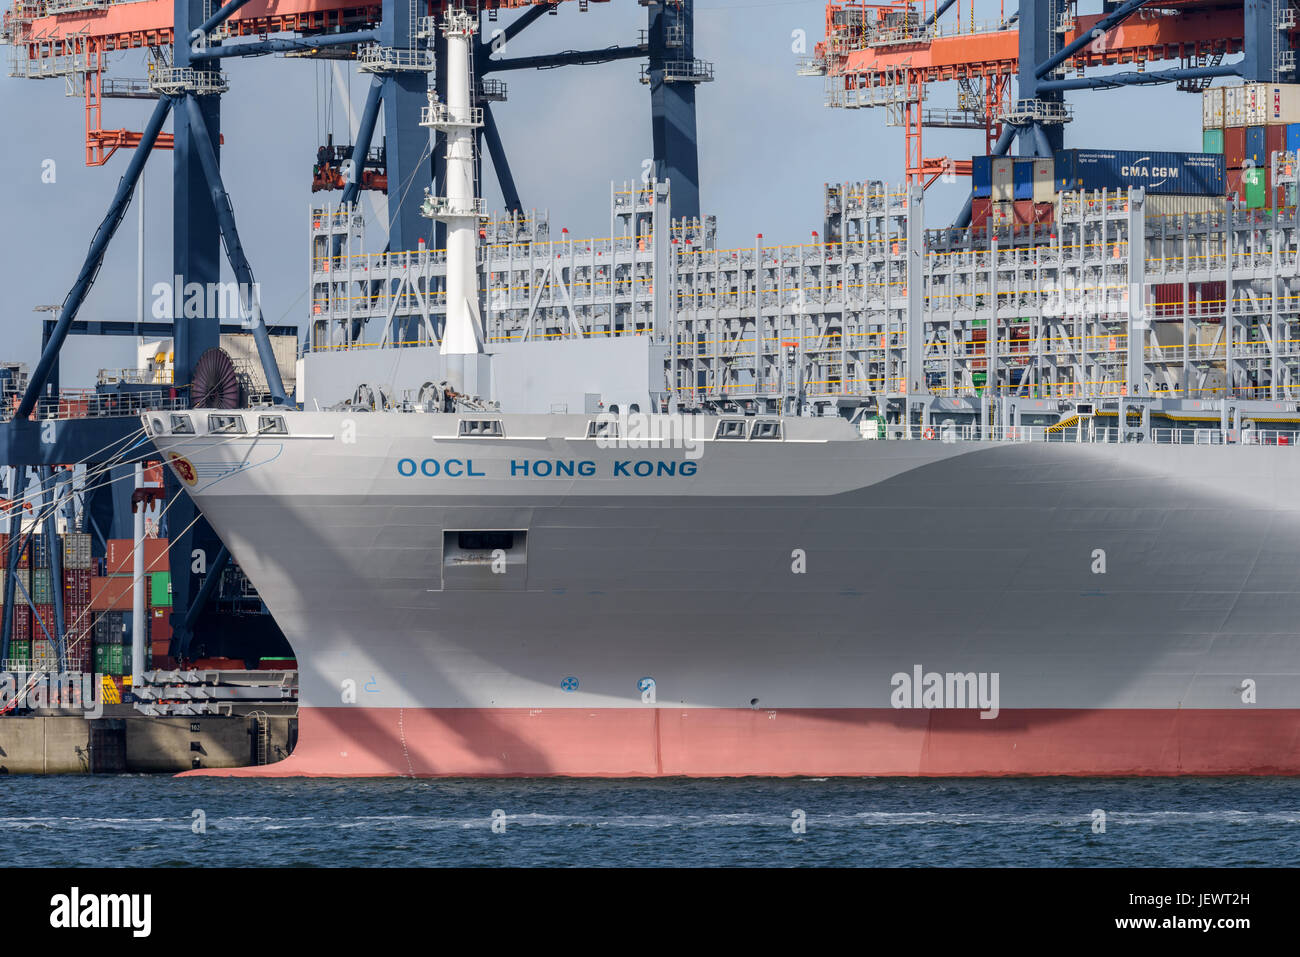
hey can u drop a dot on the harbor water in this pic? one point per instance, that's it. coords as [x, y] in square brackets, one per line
[157, 821]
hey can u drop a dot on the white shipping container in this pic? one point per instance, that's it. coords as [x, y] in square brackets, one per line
[1003, 173]
[1276, 103]
[1003, 214]
[1044, 179]
[1234, 106]
[1212, 108]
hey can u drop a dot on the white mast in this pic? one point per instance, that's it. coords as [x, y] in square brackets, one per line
[461, 209]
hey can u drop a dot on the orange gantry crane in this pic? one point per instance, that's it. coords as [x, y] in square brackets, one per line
[71, 39]
[888, 54]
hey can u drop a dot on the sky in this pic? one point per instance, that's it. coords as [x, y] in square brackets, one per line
[767, 146]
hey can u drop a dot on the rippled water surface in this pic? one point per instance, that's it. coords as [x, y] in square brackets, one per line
[152, 821]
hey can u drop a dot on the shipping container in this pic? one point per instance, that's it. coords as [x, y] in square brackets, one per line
[22, 616]
[1212, 109]
[1236, 189]
[1274, 142]
[160, 589]
[979, 212]
[981, 174]
[108, 660]
[116, 593]
[1256, 147]
[1023, 210]
[1234, 146]
[1163, 205]
[44, 652]
[20, 651]
[1255, 182]
[76, 550]
[43, 620]
[121, 555]
[1044, 179]
[1263, 104]
[1234, 106]
[1212, 141]
[76, 585]
[1002, 214]
[160, 624]
[40, 552]
[1156, 172]
[41, 591]
[1002, 179]
[1022, 179]
[1293, 138]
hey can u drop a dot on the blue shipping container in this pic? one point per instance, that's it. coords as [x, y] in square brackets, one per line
[1188, 174]
[1022, 179]
[1256, 146]
[981, 174]
[1293, 138]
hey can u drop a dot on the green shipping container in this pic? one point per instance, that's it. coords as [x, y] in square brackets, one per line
[160, 589]
[109, 659]
[41, 594]
[1212, 141]
[978, 379]
[1254, 181]
[20, 651]
[1291, 194]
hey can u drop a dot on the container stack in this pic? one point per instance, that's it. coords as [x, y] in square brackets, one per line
[112, 596]
[1248, 124]
[20, 646]
[1012, 191]
[76, 601]
[96, 607]
[1022, 192]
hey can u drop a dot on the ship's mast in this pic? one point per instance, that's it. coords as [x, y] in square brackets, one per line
[461, 209]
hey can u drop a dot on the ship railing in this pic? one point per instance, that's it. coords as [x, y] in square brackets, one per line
[85, 404]
[1087, 430]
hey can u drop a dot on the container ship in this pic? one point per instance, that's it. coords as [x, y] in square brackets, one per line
[1008, 499]
[1005, 495]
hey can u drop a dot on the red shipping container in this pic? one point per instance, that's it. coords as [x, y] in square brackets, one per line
[979, 212]
[160, 624]
[1274, 142]
[121, 556]
[113, 594]
[1234, 147]
[76, 586]
[44, 615]
[1044, 212]
[1024, 211]
[1235, 185]
[22, 622]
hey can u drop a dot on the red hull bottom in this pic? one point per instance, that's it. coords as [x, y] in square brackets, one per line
[729, 742]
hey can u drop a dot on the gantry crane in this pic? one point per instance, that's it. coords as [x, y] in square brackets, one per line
[887, 55]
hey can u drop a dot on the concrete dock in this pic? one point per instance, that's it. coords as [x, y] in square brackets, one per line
[125, 741]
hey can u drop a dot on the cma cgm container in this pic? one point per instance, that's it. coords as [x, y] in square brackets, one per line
[1194, 174]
